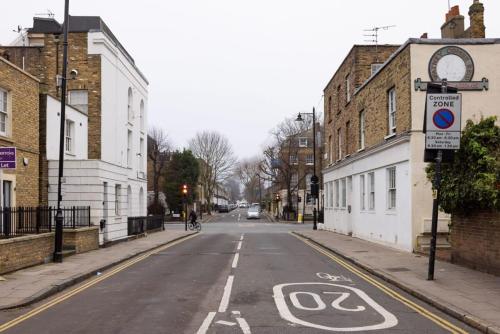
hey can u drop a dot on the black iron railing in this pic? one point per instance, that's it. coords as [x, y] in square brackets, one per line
[139, 225]
[19, 221]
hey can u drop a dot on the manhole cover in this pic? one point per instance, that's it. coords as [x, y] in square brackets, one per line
[397, 269]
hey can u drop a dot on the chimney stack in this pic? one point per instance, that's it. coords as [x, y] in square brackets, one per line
[476, 14]
[454, 26]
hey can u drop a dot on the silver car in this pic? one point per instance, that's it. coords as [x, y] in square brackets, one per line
[253, 212]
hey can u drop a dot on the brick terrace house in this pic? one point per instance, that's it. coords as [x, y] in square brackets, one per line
[375, 182]
[19, 128]
[111, 94]
[295, 172]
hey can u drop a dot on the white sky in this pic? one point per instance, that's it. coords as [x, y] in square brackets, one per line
[240, 67]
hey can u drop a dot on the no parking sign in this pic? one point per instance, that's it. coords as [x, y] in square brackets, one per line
[443, 121]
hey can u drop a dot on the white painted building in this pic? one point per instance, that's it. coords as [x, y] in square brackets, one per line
[381, 192]
[114, 185]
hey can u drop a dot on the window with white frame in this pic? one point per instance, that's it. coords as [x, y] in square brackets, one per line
[308, 182]
[348, 88]
[141, 155]
[344, 193]
[337, 194]
[327, 195]
[339, 143]
[362, 130]
[371, 191]
[392, 110]
[362, 192]
[69, 136]
[142, 115]
[129, 148]
[3, 112]
[302, 142]
[391, 188]
[118, 189]
[330, 149]
[309, 159]
[130, 105]
[331, 194]
[79, 99]
[294, 160]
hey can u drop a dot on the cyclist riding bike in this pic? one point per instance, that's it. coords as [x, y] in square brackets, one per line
[193, 224]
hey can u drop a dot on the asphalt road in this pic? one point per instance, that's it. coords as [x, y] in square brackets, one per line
[236, 277]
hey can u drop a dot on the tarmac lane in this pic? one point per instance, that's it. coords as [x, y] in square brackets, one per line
[236, 277]
[283, 285]
[168, 292]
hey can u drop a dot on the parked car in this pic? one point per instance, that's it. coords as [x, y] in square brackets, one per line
[253, 212]
[223, 208]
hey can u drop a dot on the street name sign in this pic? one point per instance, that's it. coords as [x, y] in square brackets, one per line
[8, 158]
[443, 121]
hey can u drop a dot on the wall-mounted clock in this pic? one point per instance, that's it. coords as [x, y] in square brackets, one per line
[451, 63]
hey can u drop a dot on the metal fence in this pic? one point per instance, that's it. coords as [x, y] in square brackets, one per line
[19, 221]
[139, 225]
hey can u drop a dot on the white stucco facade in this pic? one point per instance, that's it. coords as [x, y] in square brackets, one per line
[400, 227]
[115, 186]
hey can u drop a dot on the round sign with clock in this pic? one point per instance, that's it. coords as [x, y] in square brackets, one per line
[451, 63]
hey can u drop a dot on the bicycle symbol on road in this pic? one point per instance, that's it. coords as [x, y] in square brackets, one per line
[333, 278]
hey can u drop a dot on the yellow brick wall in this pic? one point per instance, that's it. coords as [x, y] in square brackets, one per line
[24, 135]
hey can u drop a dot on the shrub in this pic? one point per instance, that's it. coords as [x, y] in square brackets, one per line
[471, 182]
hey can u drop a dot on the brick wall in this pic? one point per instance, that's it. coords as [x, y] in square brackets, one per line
[82, 239]
[22, 252]
[475, 241]
[46, 62]
[23, 131]
[340, 114]
[373, 99]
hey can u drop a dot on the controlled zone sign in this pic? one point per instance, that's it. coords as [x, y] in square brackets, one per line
[443, 121]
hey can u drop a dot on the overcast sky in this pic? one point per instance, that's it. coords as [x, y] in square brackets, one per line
[240, 67]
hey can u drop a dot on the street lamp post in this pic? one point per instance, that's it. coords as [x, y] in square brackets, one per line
[260, 190]
[314, 178]
[58, 256]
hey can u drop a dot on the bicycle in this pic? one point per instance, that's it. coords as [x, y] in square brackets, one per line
[194, 225]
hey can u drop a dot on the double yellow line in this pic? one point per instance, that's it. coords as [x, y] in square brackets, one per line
[417, 308]
[87, 285]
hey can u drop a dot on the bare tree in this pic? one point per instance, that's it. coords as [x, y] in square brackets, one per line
[159, 148]
[218, 160]
[279, 158]
[248, 171]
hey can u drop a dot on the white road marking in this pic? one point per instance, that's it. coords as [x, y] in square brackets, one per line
[317, 299]
[206, 323]
[279, 298]
[235, 260]
[239, 217]
[236, 312]
[239, 245]
[245, 328]
[227, 293]
[242, 236]
[226, 323]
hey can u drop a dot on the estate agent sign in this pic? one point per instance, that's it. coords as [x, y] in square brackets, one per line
[7, 158]
[443, 121]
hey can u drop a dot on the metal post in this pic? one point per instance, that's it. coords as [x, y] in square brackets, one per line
[435, 211]
[435, 202]
[260, 191]
[185, 214]
[59, 216]
[315, 178]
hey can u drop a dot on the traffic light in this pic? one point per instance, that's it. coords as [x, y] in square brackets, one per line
[278, 197]
[184, 189]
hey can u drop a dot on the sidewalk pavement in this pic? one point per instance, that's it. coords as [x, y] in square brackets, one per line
[463, 293]
[27, 286]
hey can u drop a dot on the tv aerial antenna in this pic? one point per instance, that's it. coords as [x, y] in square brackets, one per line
[50, 14]
[374, 36]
